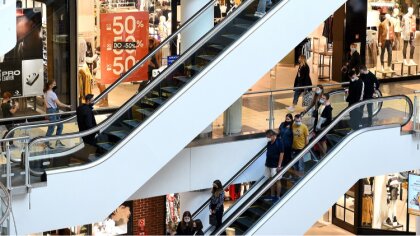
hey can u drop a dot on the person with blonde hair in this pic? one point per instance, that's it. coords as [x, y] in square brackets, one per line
[303, 78]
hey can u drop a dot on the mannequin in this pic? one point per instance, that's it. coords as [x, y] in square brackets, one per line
[409, 35]
[393, 187]
[162, 28]
[97, 74]
[386, 39]
[396, 18]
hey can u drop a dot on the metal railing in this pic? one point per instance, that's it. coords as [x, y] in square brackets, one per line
[307, 149]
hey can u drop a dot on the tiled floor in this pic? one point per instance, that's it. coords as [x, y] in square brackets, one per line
[326, 229]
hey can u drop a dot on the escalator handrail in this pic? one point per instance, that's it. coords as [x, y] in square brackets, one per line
[128, 73]
[296, 88]
[230, 181]
[133, 100]
[308, 147]
[255, 158]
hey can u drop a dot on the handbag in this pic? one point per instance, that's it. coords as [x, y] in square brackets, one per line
[212, 219]
[308, 95]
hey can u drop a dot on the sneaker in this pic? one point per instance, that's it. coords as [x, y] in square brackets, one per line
[291, 109]
[59, 144]
[48, 146]
[259, 14]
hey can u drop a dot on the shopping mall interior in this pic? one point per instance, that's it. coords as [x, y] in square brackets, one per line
[177, 137]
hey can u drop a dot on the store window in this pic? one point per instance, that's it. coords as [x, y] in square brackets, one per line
[41, 53]
[393, 37]
[112, 37]
[384, 203]
[344, 208]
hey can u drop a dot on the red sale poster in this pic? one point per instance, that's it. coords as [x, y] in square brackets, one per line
[124, 38]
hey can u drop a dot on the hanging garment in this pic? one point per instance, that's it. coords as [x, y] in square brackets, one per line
[85, 82]
[367, 209]
[371, 54]
[328, 28]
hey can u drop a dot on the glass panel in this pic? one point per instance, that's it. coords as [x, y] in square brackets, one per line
[393, 111]
[339, 212]
[255, 113]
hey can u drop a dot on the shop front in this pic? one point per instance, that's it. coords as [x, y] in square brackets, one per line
[379, 205]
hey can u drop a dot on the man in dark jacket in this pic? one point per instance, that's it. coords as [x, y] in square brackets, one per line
[371, 84]
[355, 95]
[86, 119]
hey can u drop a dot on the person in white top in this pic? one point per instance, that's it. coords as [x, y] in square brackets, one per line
[51, 104]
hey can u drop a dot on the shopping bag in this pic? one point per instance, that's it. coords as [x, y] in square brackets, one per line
[308, 95]
[212, 219]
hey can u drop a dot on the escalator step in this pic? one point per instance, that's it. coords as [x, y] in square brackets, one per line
[132, 123]
[231, 36]
[207, 57]
[194, 68]
[157, 100]
[235, 231]
[182, 78]
[242, 26]
[106, 145]
[216, 46]
[244, 223]
[121, 134]
[256, 211]
[170, 89]
[342, 132]
[145, 111]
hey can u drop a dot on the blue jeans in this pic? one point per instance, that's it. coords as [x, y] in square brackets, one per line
[300, 164]
[296, 96]
[262, 5]
[54, 118]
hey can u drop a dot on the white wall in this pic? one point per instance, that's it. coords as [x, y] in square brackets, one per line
[196, 168]
[7, 26]
[76, 196]
[358, 157]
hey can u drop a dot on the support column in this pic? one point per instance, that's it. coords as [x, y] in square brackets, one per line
[196, 30]
[232, 118]
[417, 225]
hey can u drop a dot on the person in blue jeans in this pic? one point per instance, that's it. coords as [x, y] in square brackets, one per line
[52, 103]
[262, 4]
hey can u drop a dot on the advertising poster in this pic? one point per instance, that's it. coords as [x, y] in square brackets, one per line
[414, 194]
[124, 39]
[33, 77]
[23, 65]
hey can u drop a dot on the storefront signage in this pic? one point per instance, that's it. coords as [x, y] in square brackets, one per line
[124, 42]
[21, 69]
[172, 59]
[414, 194]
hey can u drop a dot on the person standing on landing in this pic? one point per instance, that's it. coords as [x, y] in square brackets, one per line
[303, 78]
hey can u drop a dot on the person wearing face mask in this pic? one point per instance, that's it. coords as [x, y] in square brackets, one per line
[51, 103]
[198, 227]
[354, 95]
[274, 160]
[324, 119]
[353, 61]
[286, 136]
[319, 91]
[86, 119]
[300, 140]
[371, 85]
[216, 202]
[185, 227]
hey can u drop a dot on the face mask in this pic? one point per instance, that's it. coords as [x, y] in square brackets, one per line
[352, 49]
[322, 101]
[268, 139]
[298, 123]
[187, 219]
[318, 91]
[353, 79]
[287, 122]
[54, 88]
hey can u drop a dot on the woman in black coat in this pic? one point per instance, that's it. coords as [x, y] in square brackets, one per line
[303, 78]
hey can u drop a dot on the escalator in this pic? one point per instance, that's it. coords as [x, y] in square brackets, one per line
[156, 123]
[305, 197]
[337, 99]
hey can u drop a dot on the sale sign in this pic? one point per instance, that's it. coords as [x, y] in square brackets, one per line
[124, 41]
